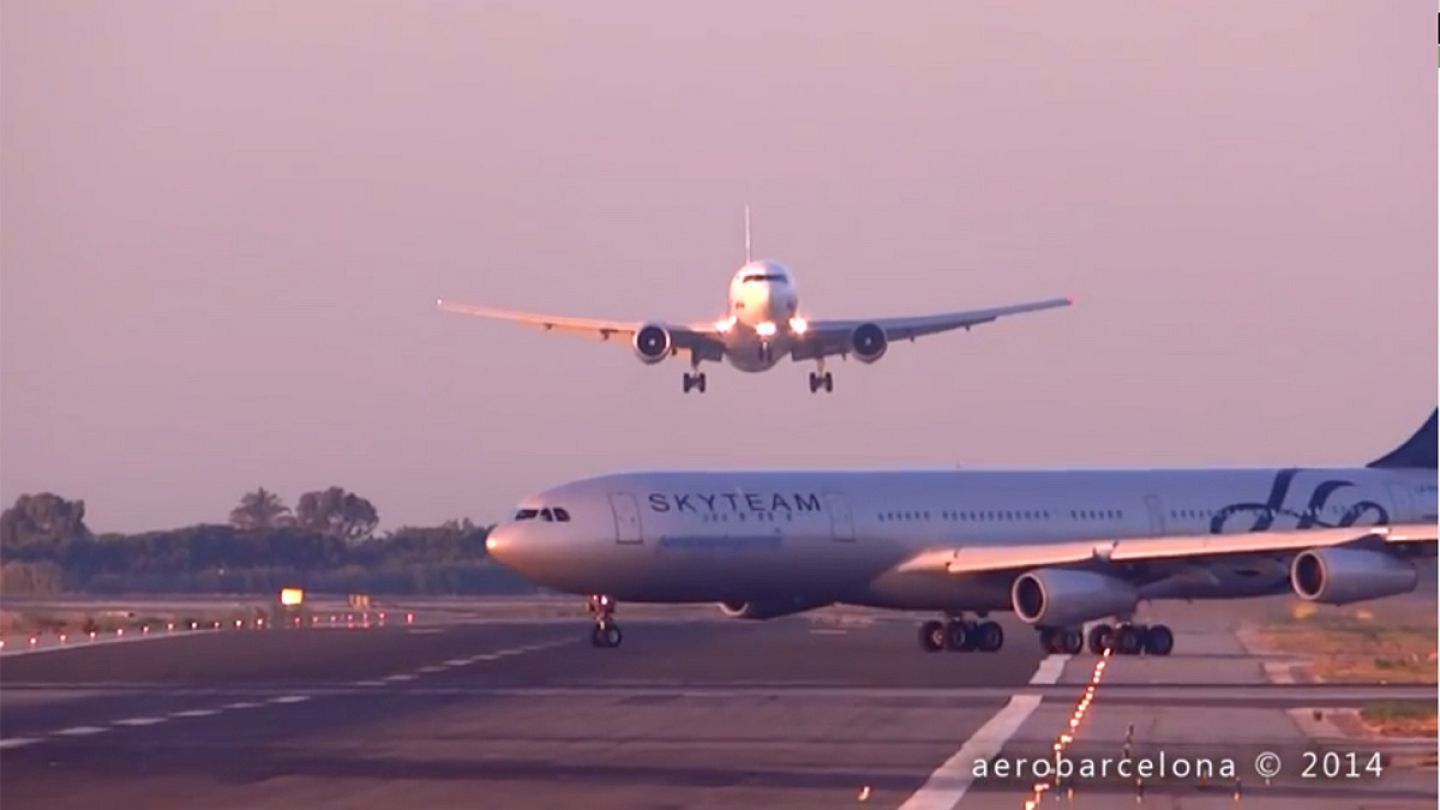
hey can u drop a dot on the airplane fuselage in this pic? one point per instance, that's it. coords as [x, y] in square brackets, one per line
[762, 315]
[826, 537]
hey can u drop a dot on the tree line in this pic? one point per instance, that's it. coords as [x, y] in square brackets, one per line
[327, 543]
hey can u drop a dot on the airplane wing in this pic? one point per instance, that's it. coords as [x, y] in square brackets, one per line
[981, 559]
[701, 338]
[824, 338]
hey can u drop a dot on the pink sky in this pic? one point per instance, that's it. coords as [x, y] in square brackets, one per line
[225, 224]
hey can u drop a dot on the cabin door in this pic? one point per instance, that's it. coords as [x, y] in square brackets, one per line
[627, 518]
[842, 523]
[1156, 512]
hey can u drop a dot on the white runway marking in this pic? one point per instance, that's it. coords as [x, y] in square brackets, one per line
[948, 784]
[196, 713]
[17, 742]
[290, 699]
[370, 683]
[140, 721]
[244, 704]
[398, 678]
[430, 670]
[457, 662]
[80, 731]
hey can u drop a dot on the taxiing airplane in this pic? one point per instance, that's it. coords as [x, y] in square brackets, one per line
[762, 325]
[1059, 548]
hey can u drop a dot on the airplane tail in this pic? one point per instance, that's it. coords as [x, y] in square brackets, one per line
[1418, 452]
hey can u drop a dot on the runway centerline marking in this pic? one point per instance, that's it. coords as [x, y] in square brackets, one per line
[242, 704]
[140, 721]
[290, 699]
[197, 713]
[948, 784]
[80, 731]
[17, 742]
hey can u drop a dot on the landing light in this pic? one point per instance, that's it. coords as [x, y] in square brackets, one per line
[765, 328]
[725, 325]
[798, 325]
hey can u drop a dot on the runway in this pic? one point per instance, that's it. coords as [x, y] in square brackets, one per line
[688, 713]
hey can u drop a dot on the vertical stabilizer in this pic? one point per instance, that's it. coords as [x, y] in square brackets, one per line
[1419, 452]
[748, 255]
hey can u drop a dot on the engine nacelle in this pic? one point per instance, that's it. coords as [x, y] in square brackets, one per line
[1057, 597]
[653, 343]
[768, 609]
[1335, 576]
[868, 342]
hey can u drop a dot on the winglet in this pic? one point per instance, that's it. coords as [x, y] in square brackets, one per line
[748, 257]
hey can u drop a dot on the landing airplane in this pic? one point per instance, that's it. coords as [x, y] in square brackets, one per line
[1059, 548]
[762, 325]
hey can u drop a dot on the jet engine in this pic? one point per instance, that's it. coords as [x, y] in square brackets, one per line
[652, 343]
[1058, 597]
[868, 342]
[768, 609]
[1336, 576]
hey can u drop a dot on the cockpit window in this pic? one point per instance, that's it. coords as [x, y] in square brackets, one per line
[547, 514]
[763, 277]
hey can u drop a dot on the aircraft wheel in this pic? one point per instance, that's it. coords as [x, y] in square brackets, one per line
[1101, 637]
[700, 382]
[990, 637]
[1129, 639]
[1070, 641]
[932, 636]
[1159, 640]
[1047, 639]
[959, 637]
[829, 381]
[814, 382]
[606, 635]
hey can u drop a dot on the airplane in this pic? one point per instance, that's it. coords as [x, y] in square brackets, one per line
[1058, 548]
[762, 324]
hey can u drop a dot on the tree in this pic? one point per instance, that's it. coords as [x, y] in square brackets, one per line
[261, 509]
[337, 513]
[43, 522]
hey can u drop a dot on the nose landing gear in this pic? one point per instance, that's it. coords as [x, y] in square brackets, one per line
[695, 381]
[818, 381]
[606, 633]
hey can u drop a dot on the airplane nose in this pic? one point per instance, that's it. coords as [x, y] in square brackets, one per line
[500, 542]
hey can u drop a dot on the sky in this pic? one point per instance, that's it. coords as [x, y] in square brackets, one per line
[223, 227]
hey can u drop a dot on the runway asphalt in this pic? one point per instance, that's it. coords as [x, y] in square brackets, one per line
[688, 713]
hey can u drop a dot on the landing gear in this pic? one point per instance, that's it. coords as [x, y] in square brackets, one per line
[1062, 640]
[823, 380]
[606, 633]
[932, 636]
[959, 635]
[695, 381]
[1132, 639]
[1101, 637]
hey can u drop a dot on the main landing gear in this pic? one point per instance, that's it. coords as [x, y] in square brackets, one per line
[606, 632]
[822, 380]
[695, 381]
[1132, 639]
[1061, 640]
[961, 635]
